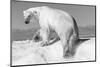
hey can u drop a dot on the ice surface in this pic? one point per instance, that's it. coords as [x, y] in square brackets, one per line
[29, 52]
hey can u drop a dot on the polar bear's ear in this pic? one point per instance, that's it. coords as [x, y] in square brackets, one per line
[35, 12]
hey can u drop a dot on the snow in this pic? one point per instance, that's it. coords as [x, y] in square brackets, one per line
[29, 52]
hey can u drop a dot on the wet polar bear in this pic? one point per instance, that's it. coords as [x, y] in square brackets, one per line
[59, 21]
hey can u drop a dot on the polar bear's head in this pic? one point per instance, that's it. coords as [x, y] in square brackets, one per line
[29, 13]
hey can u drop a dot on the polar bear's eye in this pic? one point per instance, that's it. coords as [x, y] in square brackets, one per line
[35, 12]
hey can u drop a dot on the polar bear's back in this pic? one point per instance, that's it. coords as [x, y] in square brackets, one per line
[56, 17]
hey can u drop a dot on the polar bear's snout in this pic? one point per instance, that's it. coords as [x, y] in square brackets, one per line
[27, 20]
[27, 16]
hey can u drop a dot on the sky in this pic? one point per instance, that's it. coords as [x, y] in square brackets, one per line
[84, 15]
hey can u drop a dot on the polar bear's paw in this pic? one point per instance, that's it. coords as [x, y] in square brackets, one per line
[68, 54]
[44, 43]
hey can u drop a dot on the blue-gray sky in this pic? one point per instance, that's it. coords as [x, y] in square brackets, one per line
[84, 15]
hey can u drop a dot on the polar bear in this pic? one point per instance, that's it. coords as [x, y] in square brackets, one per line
[58, 20]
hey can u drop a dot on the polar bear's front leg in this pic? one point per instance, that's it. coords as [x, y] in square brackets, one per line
[44, 33]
